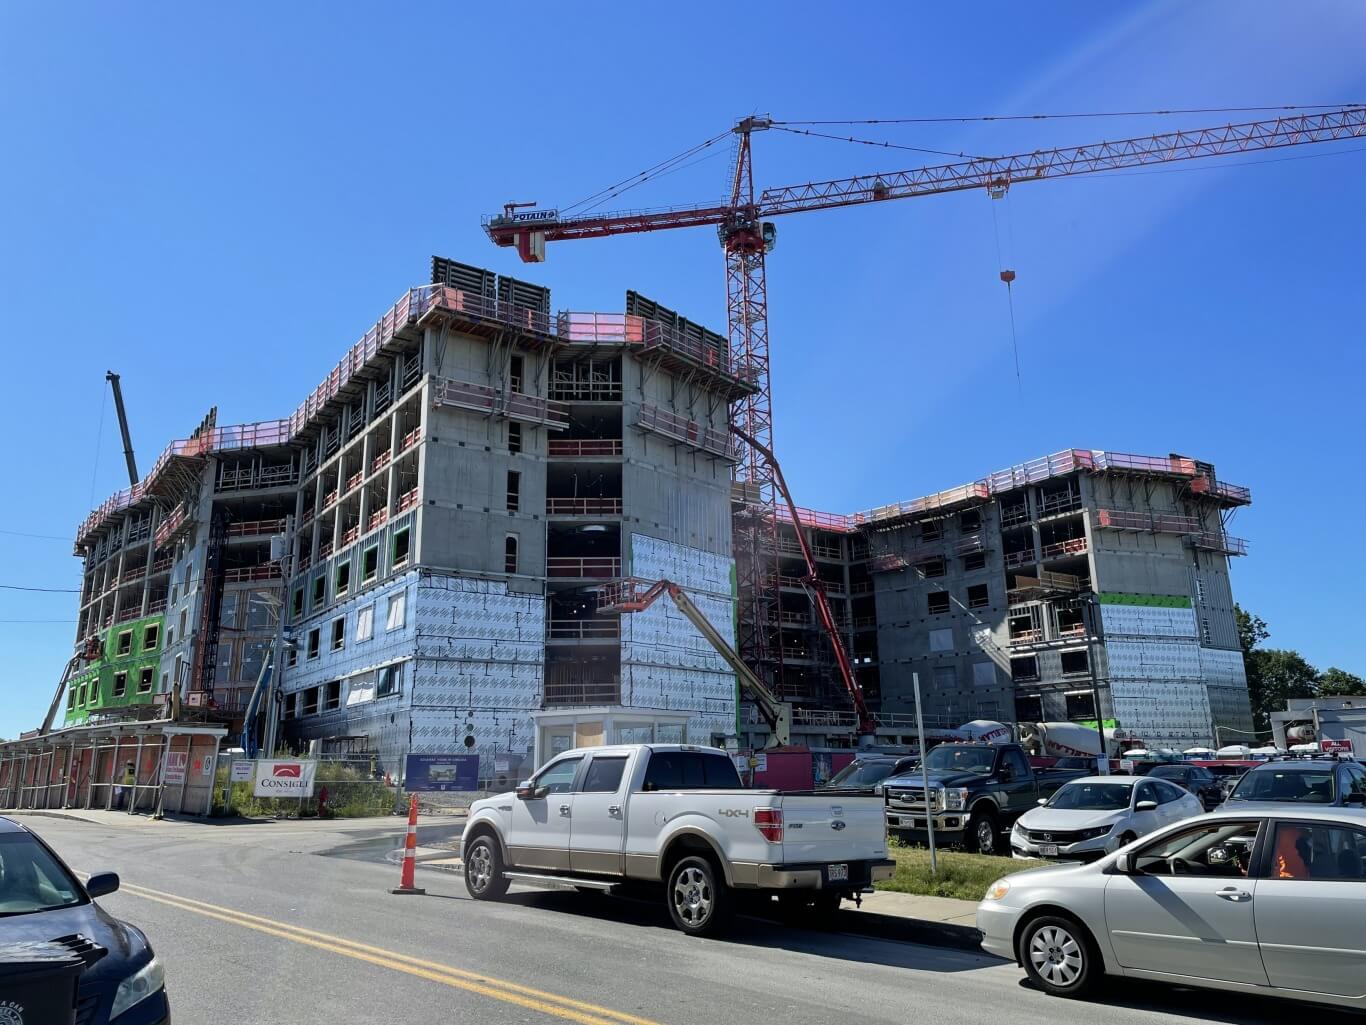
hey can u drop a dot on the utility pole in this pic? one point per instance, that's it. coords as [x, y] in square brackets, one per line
[277, 653]
[1090, 618]
[925, 775]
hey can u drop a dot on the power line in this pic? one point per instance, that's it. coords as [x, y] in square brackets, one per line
[1074, 116]
[37, 621]
[46, 590]
[44, 537]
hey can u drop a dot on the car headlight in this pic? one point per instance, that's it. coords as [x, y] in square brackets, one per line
[1018, 831]
[1092, 834]
[956, 800]
[146, 981]
[998, 889]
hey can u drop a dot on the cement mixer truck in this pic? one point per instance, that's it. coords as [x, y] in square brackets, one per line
[1074, 740]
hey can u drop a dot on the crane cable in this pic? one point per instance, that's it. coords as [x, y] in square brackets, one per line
[1076, 115]
[1008, 276]
[640, 177]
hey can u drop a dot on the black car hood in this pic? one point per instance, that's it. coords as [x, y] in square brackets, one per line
[127, 947]
[943, 777]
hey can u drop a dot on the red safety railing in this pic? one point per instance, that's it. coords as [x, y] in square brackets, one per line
[270, 571]
[480, 398]
[381, 461]
[887, 563]
[410, 439]
[1074, 546]
[576, 448]
[583, 629]
[1125, 519]
[1026, 637]
[690, 432]
[813, 518]
[407, 500]
[350, 535]
[599, 329]
[574, 566]
[355, 479]
[378, 517]
[253, 528]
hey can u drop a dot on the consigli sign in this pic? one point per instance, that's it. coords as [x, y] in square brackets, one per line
[284, 778]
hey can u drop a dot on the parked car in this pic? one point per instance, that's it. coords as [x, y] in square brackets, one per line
[1228, 772]
[1194, 778]
[977, 791]
[677, 815]
[869, 771]
[1090, 817]
[1266, 899]
[41, 900]
[1319, 781]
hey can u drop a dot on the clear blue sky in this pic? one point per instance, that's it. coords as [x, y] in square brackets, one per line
[217, 202]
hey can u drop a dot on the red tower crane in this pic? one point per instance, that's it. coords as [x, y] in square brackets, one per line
[746, 237]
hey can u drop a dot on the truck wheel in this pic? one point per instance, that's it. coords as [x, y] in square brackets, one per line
[698, 898]
[484, 878]
[982, 833]
[1059, 957]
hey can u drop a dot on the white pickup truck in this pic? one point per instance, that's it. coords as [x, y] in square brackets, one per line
[601, 817]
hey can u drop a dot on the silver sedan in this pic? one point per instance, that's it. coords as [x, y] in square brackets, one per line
[1267, 900]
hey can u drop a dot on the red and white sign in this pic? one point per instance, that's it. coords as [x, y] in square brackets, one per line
[284, 779]
[1342, 747]
[176, 761]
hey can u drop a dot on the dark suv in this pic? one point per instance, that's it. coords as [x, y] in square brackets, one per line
[1320, 781]
[1195, 778]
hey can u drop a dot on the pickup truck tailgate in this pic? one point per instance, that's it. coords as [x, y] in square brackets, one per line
[833, 829]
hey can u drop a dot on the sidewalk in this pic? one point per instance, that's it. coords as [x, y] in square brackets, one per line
[935, 921]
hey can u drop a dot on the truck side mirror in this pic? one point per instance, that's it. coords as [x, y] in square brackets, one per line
[526, 791]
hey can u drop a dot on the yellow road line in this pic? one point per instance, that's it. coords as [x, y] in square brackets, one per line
[498, 989]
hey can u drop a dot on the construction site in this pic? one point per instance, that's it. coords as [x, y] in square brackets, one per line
[444, 547]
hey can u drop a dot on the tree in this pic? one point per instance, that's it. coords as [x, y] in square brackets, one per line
[1339, 683]
[1251, 629]
[1275, 676]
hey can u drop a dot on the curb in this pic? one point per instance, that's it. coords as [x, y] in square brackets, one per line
[849, 922]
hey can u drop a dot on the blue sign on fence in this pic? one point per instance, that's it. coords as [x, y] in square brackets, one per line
[441, 772]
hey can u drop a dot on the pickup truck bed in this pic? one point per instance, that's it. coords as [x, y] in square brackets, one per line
[677, 816]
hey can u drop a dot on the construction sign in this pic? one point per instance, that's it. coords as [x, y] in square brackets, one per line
[176, 761]
[291, 778]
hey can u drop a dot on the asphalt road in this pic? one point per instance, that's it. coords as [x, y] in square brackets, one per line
[258, 926]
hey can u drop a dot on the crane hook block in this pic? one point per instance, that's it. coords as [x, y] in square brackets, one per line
[1007, 276]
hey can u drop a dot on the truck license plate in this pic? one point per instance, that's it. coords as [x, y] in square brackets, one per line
[837, 873]
[1049, 850]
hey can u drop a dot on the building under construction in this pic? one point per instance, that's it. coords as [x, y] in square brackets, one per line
[1022, 597]
[417, 551]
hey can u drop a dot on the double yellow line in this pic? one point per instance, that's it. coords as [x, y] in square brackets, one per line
[457, 978]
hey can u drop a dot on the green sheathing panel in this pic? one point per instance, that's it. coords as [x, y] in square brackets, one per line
[1167, 601]
[94, 687]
